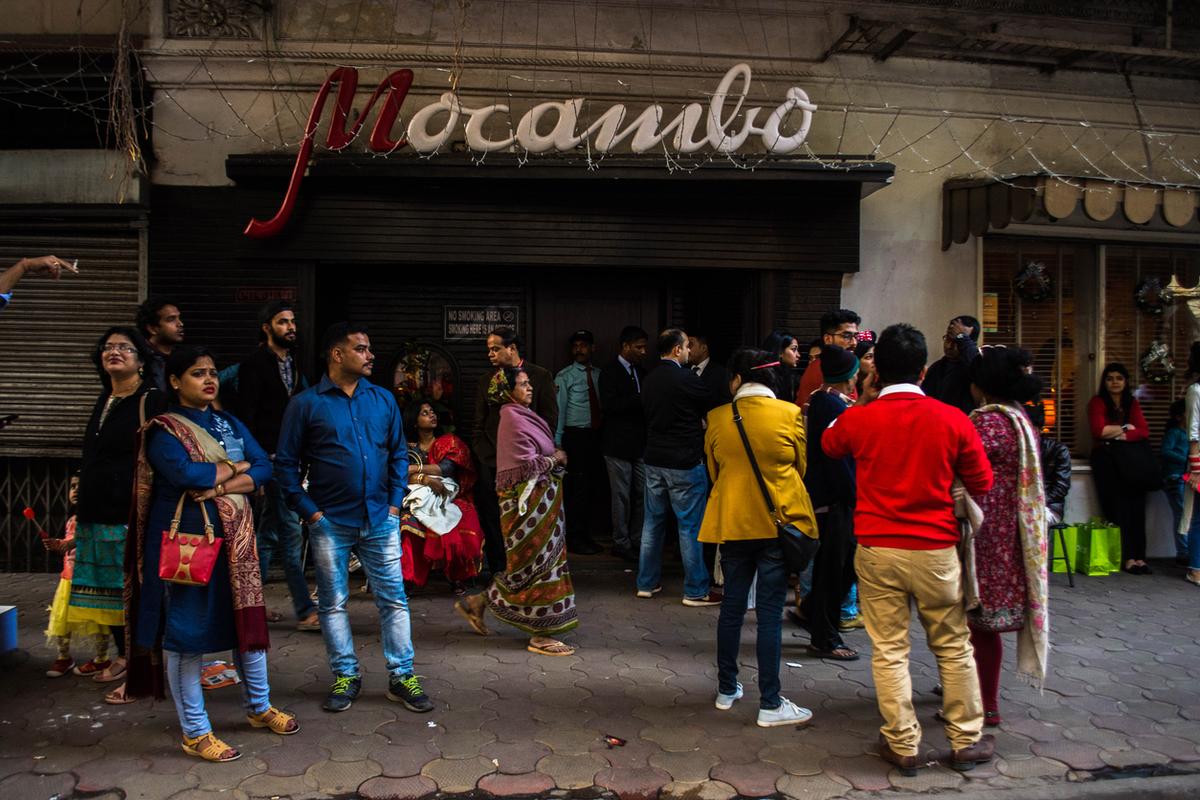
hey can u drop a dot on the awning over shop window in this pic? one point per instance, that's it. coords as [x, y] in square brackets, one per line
[976, 207]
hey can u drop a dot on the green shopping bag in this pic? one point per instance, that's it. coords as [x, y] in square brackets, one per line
[1070, 534]
[1098, 549]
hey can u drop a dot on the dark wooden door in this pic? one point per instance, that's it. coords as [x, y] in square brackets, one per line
[591, 300]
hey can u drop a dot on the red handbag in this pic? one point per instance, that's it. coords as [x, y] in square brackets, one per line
[188, 558]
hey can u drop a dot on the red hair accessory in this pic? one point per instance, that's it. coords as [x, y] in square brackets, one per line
[766, 366]
[865, 336]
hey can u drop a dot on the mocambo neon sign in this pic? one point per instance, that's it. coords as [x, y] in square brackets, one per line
[603, 135]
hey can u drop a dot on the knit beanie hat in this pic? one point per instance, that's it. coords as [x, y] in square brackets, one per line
[838, 365]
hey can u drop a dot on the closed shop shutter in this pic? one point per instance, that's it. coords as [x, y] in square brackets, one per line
[48, 332]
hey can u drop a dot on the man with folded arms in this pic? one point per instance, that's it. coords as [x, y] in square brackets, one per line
[908, 449]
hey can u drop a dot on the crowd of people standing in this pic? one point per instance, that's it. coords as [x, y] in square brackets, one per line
[867, 460]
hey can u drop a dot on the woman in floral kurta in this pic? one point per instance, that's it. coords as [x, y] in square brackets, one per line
[1010, 546]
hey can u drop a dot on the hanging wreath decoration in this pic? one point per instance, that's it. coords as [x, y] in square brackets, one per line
[1032, 283]
[1157, 366]
[1151, 296]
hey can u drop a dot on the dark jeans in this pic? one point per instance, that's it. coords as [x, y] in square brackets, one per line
[833, 575]
[487, 505]
[280, 537]
[741, 560]
[583, 489]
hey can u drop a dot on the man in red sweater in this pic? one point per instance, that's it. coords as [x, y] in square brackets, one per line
[908, 449]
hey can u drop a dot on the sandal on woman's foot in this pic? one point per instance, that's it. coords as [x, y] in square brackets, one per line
[112, 673]
[551, 648]
[210, 748]
[473, 618]
[117, 697]
[278, 721]
[841, 653]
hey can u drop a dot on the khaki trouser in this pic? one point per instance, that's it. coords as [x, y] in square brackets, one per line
[887, 579]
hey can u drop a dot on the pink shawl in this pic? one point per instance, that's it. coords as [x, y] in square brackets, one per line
[524, 446]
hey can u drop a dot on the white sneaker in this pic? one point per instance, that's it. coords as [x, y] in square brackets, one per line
[648, 593]
[726, 701]
[788, 713]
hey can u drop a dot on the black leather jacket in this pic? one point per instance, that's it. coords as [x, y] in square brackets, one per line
[1056, 474]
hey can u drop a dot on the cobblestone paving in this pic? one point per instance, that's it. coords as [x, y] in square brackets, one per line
[1121, 696]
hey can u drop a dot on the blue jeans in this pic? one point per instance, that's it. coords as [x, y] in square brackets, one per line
[378, 549]
[1174, 491]
[683, 491]
[740, 560]
[279, 533]
[183, 674]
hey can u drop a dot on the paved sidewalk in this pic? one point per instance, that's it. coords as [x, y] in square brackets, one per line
[1121, 699]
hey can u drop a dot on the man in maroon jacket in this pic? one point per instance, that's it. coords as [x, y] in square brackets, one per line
[908, 449]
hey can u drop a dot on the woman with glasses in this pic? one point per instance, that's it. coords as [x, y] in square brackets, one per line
[105, 490]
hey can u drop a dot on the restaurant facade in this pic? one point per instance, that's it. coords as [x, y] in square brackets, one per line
[438, 170]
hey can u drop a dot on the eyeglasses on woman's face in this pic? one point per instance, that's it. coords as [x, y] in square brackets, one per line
[118, 348]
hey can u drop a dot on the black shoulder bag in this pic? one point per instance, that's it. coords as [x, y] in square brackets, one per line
[798, 549]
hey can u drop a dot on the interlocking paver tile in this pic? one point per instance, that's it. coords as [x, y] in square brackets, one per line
[1135, 757]
[464, 744]
[515, 758]
[635, 754]
[572, 772]
[458, 774]
[1098, 736]
[639, 783]
[411, 788]
[292, 759]
[811, 787]
[60, 758]
[341, 777]
[935, 777]
[526, 784]
[28, 784]
[674, 736]
[686, 767]
[565, 740]
[293, 787]
[865, 772]
[1176, 749]
[403, 760]
[800, 757]
[1125, 723]
[1076, 755]
[752, 780]
[149, 786]
[107, 773]
[348, 747]
[1035, 767]
[702, 790]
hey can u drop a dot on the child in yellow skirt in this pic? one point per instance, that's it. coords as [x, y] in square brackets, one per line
[59, 632]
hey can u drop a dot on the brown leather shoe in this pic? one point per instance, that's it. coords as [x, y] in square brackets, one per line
[981, 752]
[906, 764]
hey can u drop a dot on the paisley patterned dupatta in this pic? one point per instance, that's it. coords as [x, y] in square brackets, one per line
[237, 522]
[1033, 640]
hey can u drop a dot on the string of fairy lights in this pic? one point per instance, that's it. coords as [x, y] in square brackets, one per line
[999, 144]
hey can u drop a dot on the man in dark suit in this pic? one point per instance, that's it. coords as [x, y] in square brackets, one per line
[714, 375]
[503, 350]
[623, 440]
[267, 380]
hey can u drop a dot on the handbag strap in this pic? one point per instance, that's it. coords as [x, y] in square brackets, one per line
[762, 484]
[208, 528]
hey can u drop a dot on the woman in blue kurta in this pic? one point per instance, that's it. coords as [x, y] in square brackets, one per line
[208, 457]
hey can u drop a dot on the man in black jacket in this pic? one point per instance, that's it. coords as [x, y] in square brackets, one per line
[267, 380]
[623, 440]
[675, 401]
[947, 379]
[503, 350]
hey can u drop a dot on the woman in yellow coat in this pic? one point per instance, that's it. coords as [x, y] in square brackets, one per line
[737, 518]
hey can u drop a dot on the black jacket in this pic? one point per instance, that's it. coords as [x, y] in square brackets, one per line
[675, 401]
[948, 379]
[262, 397]
[624, 432]
[106, 469]
[716, 378]
[1056, 474]
[487, 416]
[828, 480]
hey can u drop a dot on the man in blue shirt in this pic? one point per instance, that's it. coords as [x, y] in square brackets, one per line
[578, 433]
[347, 433]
